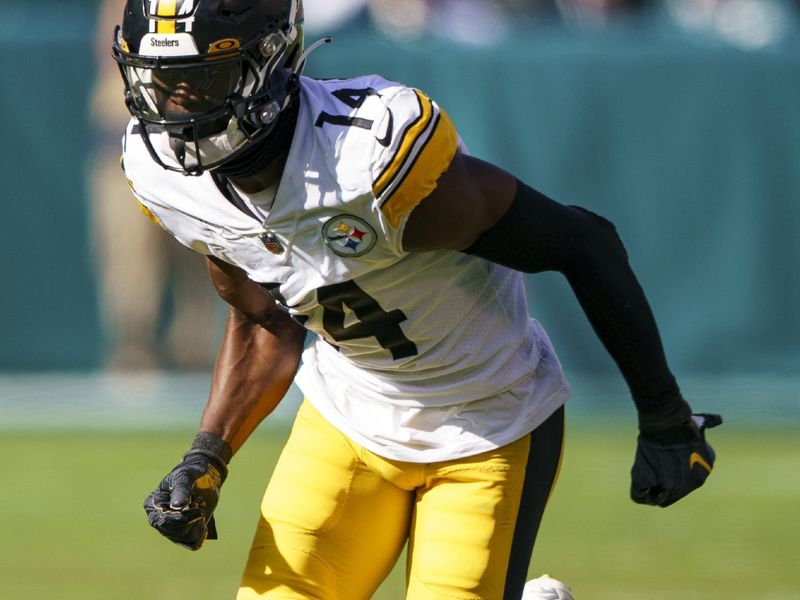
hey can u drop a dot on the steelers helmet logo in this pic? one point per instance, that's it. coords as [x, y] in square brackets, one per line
[347, 235]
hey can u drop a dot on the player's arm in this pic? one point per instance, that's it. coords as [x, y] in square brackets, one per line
[482, 210]
[255, 366]
[257, 360]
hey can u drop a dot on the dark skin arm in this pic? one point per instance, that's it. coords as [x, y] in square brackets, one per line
[257, 360]
[255, 365]
[478, 192]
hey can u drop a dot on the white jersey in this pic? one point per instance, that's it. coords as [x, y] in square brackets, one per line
[418, 356]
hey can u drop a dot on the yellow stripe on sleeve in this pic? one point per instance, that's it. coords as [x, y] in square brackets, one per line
[420, 180]
[148, 213]
[410, 137]
[166, 8]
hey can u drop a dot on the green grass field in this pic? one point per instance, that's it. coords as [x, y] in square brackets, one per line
[72, 527]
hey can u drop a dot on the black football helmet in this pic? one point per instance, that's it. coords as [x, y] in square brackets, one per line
[208, 77]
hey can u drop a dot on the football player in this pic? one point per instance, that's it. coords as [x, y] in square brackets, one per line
[348, 208]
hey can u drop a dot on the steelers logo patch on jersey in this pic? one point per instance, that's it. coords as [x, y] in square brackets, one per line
[347, 235]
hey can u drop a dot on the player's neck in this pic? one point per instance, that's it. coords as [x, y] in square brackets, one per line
[266, 177]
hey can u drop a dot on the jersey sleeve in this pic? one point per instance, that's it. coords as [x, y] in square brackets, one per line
[157, 214]
[419, 146]
[142, 207]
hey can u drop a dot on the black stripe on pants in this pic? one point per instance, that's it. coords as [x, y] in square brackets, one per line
[544, 457]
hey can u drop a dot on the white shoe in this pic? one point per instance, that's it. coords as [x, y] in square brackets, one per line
[546, 588]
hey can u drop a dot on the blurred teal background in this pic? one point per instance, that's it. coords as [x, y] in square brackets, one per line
[690, 145]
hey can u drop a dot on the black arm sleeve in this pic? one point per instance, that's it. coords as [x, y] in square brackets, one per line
[538, 234]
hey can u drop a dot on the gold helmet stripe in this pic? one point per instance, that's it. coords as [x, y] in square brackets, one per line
[166, 8]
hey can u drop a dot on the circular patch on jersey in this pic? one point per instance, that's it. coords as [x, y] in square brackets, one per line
[348, 236]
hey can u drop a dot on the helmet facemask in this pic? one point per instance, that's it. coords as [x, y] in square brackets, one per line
[202, 110]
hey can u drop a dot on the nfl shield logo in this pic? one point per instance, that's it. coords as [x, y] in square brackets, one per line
[272, 243]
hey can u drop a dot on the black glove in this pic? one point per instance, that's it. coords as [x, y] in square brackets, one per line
[672, 462]
[182, 507]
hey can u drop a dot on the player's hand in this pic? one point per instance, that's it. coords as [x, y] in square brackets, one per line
[182, 507]
[672, 463]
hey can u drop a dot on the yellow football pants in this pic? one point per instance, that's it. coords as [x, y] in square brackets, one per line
[336, 516]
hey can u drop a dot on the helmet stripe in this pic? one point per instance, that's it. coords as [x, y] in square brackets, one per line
[166, 8]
